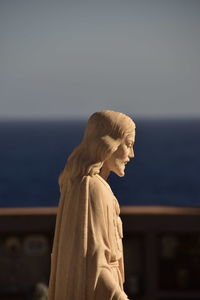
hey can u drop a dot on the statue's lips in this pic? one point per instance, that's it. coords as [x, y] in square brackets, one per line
[124, 163]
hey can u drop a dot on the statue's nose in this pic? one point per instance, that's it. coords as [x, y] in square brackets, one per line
[131, 154]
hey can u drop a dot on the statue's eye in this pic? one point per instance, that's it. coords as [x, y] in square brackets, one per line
[129, 143]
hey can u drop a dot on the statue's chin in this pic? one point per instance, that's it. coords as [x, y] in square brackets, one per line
[120, 173]
[118, 168]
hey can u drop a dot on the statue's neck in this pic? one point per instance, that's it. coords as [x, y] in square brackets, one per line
[104, 172]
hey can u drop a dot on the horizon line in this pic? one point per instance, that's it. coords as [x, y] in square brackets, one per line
[85, 118]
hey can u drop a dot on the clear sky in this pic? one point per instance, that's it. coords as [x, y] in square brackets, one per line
[65, 59]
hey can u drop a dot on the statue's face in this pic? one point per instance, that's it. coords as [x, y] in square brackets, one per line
[117, 162]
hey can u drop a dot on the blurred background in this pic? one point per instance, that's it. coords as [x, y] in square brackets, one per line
[60, 62]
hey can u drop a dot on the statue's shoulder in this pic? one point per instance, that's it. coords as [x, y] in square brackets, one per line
[93, 182]
[97, 184]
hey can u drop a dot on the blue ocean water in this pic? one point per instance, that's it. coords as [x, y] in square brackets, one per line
[165, 170]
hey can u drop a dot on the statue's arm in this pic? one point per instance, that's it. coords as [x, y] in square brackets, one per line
[101, 279]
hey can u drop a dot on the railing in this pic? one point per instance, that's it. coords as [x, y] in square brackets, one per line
[161, 248]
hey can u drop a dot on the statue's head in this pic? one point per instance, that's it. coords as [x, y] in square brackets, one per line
[106, 134]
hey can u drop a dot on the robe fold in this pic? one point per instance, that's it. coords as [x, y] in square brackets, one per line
[87, 255]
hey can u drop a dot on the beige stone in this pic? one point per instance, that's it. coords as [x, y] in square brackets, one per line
[87, 255]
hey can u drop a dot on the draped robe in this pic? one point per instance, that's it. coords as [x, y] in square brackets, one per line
[87, 256]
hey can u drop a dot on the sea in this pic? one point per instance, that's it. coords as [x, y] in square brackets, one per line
[165, 170]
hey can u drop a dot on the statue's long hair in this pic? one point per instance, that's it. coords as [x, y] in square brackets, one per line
[104, 133]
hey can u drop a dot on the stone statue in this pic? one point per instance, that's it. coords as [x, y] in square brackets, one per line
[87, 256]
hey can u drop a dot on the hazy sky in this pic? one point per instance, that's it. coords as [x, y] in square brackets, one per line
[71, 58]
